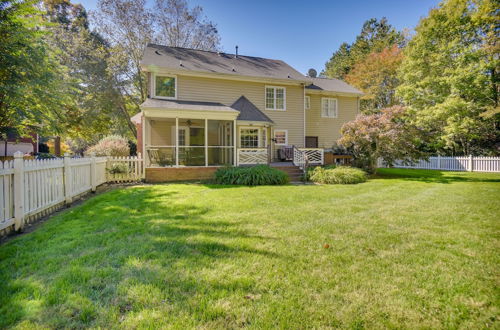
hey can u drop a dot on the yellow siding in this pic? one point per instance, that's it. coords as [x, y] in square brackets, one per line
[228, 91]
[328, 129]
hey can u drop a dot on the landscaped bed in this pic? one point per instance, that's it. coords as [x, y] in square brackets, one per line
[406, 249]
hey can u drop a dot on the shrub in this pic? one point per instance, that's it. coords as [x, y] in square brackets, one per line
[113, 145]
[338, 175]
[118, 168]
[251, 176]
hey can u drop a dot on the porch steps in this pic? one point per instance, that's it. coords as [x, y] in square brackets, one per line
[294, 172]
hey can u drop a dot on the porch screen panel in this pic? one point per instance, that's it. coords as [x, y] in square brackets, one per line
[191, 142]
[220, 142]
[160, 142]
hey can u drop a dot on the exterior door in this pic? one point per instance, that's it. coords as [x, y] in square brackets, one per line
[311, 141]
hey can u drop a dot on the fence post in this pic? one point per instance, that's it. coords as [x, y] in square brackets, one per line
[68, 179]
[439, 162]
[18, 190]
[93, 172]
[471, 164]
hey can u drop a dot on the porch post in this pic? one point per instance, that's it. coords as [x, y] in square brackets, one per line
[235, 160]
[206, 142]
[176, 141]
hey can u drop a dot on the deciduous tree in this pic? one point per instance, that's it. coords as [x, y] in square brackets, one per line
[450, 76]
[387, 135]
[377, 76]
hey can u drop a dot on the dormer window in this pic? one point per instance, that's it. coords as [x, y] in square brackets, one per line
[165, 87]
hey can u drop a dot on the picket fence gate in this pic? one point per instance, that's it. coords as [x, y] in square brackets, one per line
[467, 163]
[30, 189]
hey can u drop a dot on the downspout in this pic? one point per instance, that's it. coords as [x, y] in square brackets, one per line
[304, 106]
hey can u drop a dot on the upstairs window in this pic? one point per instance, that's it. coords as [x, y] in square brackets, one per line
[275, 98]
[307, 102]
[165, 87]
[329, 108]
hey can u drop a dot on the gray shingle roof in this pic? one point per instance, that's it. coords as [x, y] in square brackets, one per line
[206, 61]
[185, 105]
[332, 85]
[248, 111]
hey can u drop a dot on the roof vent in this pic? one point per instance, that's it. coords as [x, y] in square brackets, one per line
[157, 52]
[233, 69]
[180, 63]
[218, 53]
[236, 55]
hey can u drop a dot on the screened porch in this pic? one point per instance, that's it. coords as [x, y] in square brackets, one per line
[176, 142]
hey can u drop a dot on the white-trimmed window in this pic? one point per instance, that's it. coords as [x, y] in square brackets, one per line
[249, 138]
[275, 98]
[307, 102]
[281, 137]
[329, 107]
[164, 86]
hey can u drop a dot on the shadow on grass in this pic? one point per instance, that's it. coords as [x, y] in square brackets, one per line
[435, 176]
[118, 254]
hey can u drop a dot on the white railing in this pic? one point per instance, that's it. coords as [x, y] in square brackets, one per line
[468, 163]
[308, 156]
[33, 188]
[252, 156]
[315, 156]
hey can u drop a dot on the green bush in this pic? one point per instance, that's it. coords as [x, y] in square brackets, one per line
[118, 168]
[338, 175]
[251, 176]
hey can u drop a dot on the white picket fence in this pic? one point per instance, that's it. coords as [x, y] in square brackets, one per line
[468, 163]
[33, 188]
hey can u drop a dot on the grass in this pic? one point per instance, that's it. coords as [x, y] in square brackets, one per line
[407, 249]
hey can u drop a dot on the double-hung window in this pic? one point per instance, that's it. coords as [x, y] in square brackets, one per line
[249, 138]
[329, 107]
[275, 98]
[165, 87]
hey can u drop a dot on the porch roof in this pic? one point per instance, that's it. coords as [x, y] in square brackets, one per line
[248, 111]
[186, 105]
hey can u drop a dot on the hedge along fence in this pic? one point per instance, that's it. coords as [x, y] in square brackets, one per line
[30, 189]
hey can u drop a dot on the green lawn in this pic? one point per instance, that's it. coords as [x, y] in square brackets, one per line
[406, 249]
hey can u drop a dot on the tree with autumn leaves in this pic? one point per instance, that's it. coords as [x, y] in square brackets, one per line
[446, 76]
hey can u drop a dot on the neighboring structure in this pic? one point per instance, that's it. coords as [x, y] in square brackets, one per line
[208, 109]
[27, 144]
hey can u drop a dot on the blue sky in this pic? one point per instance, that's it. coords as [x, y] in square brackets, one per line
[302, 33]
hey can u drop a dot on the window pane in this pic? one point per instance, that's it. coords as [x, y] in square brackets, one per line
[280, 98]
[165, 86]
[269, 98]
[249, 138]
[280, 137]
[324, 107]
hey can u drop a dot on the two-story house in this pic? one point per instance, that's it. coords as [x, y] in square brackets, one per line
[208, 109]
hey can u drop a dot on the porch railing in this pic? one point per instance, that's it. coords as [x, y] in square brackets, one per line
[251, 156]
[307, 156]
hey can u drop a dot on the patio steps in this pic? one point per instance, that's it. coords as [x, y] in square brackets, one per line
[294, 172]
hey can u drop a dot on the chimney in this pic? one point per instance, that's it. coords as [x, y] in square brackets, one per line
[236, 52]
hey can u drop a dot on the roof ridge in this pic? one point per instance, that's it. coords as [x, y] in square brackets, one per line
[215, 52]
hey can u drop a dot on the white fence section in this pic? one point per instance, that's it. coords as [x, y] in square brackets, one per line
[6, 193]
[468, 163]
[251, 156]
[303, 157]
[33, 188]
